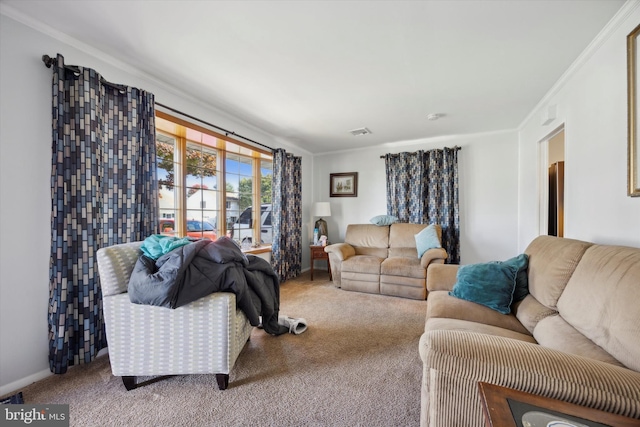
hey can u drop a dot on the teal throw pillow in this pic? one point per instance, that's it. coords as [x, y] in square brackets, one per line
[491, 284]
[383, 220]
[522, 277]
[427, 239]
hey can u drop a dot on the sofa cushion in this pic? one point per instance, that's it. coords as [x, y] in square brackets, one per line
[601, 301]
[441, 304]
[362, 264]
[402, 266]
[529, 312]
[439, 323]
[402, 241]
[368, 239]
[383, 220]
[427, 239]
[552, 261]
[553, 332]
[490, 284]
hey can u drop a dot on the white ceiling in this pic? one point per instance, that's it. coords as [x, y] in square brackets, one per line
[311, 71]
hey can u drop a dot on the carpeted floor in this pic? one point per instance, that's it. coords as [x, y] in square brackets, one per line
[356, 365]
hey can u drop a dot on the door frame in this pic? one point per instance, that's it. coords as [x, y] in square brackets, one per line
[543, 179]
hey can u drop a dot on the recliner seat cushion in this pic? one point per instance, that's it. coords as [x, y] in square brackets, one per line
[440, 323]
[362, 264]
[403, 266]
[441, 304]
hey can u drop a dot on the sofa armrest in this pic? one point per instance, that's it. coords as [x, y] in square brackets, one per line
[341, 250]
[441, 277]
[431, 256]
[115, 264]
[338, 252]
[457, 360]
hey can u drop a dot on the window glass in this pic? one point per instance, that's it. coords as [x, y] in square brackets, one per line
[166, 146]
[266, 173]
[238, 174]
[201, 180]
[245, 217]
[206, 183]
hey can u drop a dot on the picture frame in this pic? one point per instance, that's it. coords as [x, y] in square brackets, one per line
[633, 78]
[343, 184]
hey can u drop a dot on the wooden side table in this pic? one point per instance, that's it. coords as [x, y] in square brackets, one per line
[317, 252]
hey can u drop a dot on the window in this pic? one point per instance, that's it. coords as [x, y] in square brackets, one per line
[207, 182]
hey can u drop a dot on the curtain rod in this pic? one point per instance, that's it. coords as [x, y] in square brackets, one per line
[455, 147]
[49, 61]
[226, 132]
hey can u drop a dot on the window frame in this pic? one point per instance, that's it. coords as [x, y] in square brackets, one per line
[256, 156]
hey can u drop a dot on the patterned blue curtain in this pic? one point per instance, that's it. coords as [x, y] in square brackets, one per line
[287, 215]
[422, 188]
[104, 192]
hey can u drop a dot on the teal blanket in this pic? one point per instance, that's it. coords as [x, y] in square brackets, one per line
[157, 245]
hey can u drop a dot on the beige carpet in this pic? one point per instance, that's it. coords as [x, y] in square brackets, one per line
[356, 365]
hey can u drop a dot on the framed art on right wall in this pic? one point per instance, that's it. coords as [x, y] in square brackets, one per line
[633, 77]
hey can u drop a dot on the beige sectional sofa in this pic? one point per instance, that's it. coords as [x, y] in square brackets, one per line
[383, 260]
[575, 337]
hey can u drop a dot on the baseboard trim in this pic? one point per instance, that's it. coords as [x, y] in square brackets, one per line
[15, 386]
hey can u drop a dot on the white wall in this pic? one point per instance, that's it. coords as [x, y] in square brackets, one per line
[488, 184]
[25, 195]
[592, 104]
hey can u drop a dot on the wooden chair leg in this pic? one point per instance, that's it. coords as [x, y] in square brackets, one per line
[129, 383]
[223, 381]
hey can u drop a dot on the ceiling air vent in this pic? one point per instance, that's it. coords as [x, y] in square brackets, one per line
[361, 131]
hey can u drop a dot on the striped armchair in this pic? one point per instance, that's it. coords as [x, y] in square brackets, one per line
[205, 336]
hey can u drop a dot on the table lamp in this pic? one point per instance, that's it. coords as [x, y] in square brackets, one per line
[322, 209]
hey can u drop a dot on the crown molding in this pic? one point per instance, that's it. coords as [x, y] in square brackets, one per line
[48, 30]
[422, 141]
[623, 13]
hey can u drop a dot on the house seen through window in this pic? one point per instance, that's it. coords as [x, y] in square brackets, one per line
[210, 185]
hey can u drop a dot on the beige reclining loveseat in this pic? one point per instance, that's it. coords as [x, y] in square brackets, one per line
[383, 259]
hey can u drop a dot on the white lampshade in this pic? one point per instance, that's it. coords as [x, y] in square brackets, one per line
[322, 209]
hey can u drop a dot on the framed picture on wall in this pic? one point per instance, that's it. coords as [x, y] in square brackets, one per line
[343, 184]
